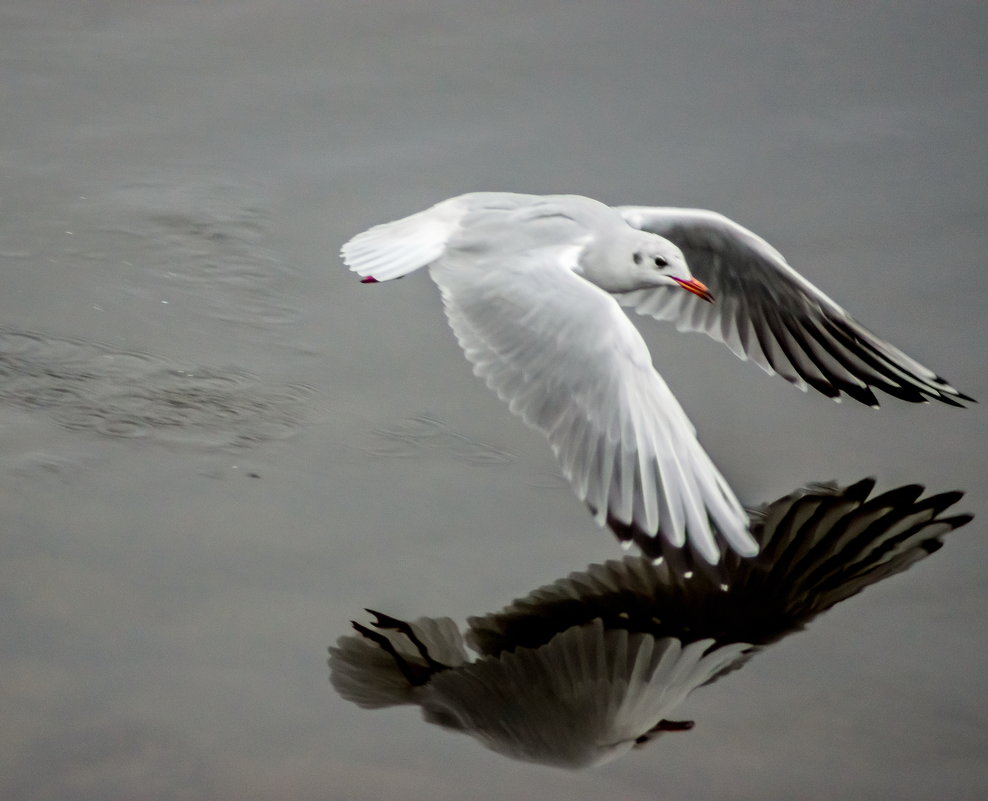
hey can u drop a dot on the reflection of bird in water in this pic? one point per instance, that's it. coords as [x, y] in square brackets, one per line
[583, 699]
[584, 669]
[532, 286]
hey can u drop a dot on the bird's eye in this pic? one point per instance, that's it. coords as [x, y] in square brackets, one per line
[660, 262]
[638, 258]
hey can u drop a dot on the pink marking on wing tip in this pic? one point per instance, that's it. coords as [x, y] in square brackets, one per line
[370, 279]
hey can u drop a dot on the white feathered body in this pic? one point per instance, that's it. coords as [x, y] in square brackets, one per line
[533, 288]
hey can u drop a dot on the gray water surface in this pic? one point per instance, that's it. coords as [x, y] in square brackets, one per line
[217, 447]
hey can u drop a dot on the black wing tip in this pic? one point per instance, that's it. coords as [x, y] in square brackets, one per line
[944, 500]
[886, 374]
[958, 520]
[904, 495]
[658, 548]
[866, 397]
[931, 545]
[934, 544]
[862, 395]
[861, 488]
[947, 389]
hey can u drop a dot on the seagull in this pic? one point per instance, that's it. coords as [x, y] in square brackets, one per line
[533, 286]
[587, 668]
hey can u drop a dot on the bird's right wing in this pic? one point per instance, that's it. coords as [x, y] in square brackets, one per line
[770, 314]
[565, 358]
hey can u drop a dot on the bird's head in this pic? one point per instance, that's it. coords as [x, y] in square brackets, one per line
[656, 261]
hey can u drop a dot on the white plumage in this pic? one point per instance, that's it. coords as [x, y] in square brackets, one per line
[532, 285]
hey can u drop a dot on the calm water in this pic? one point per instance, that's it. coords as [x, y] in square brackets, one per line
[217, 447]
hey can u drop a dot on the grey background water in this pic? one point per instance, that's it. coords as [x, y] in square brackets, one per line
[216, 446]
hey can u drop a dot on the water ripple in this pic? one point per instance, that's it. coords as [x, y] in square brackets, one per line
[199, 243]
[87, 386]
[414, 436]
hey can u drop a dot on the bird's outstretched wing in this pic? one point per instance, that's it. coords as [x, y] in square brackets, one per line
[582, 699]
[565, 358]
[767, 312]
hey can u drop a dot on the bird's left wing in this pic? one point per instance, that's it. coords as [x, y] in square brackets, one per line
[765, 311]
[565, 357]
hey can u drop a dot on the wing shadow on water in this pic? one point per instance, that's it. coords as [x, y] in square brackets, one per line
[585, 669]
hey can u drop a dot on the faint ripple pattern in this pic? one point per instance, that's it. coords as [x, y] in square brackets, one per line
[83, 385]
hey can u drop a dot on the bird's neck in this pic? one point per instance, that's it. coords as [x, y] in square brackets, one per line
[598, 266]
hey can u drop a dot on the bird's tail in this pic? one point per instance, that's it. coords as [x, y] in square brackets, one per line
[382, 665]
[394, 249]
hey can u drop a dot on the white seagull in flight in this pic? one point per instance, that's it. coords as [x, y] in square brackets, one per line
[532, 286]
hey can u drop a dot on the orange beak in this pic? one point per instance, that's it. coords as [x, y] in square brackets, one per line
[697, 288]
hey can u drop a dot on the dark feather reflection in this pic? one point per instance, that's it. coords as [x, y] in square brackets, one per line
[583, 670]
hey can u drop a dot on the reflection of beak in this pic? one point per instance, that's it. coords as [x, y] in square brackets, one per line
[697, 288]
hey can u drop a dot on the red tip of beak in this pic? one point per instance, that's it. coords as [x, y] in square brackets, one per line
[370, 279]
[697, 288]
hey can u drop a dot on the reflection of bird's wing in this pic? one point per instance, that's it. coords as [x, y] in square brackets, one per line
[580, 700]
[767, 312]
[362, 672]
[564, 356]
[819, 546]
[825, 544]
